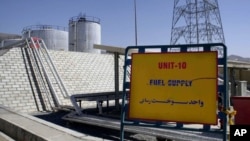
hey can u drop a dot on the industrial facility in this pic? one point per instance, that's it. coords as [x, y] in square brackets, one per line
[55, 37]
[80, 35]
[84, 32]
[7, 39]
[50, 69]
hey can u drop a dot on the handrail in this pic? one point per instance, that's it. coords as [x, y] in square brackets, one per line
[55, 70]
[44, 27]
[88, 96]
[36, 67]
[82, 18]
[45, 73]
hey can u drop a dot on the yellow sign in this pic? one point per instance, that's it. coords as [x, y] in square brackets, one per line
[179, 87]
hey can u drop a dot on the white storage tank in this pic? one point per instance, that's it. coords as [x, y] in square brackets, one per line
[55, 37]
[84, 32]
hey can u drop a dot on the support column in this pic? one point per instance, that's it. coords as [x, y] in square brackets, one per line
[232, 80]
[242, 88]
[116, 70]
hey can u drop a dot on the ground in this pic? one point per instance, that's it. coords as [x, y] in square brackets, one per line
[108, 134]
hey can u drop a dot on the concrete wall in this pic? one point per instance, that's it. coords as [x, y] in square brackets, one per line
[243, 75]
[20, 89]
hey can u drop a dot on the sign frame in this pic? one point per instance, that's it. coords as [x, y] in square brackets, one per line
[222, 89]
[152, 87]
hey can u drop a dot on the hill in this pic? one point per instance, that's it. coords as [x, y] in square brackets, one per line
[238, 58]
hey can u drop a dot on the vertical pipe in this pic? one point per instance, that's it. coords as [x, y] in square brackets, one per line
[124, 95]
[116, 69]
[75, 36]
[225, 93]
[233, 84]
[135, 22]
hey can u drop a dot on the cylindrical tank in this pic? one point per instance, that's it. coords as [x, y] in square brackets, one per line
[84, 32]
[7, 42]
[55, 37]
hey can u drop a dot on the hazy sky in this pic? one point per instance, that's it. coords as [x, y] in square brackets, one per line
[154, 18]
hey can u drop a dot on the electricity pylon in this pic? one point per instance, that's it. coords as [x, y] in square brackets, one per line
[196, 21]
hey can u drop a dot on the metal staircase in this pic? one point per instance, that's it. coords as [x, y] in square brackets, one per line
[50, 89]
[48, 69]
[43, 95]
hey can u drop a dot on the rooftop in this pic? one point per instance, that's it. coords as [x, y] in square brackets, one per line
[4, 36]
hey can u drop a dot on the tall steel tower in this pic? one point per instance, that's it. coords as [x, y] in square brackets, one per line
[196, 21]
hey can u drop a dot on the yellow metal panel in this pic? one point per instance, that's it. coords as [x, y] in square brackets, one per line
[179, 87]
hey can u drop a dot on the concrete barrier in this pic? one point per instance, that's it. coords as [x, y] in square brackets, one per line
[4, 137]
[23, 127]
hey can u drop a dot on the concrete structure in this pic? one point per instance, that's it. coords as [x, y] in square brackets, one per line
[7, 42]
[55, 37]
[22, 127]
[81, 73]
[84, 32]
[6, 39]
[242, 88]
[238, 72]
[4, 36]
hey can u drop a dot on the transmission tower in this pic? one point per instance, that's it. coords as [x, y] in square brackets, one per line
[196, 21]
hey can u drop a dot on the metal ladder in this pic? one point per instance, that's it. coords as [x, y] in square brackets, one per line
[40, 53]
[43, 95]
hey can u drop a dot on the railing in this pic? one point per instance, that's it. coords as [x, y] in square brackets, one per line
[84, 18]
[99, 97]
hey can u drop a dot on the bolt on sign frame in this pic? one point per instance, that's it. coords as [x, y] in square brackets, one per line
[175, 83]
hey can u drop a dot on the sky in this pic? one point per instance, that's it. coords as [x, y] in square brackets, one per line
[154, 19]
